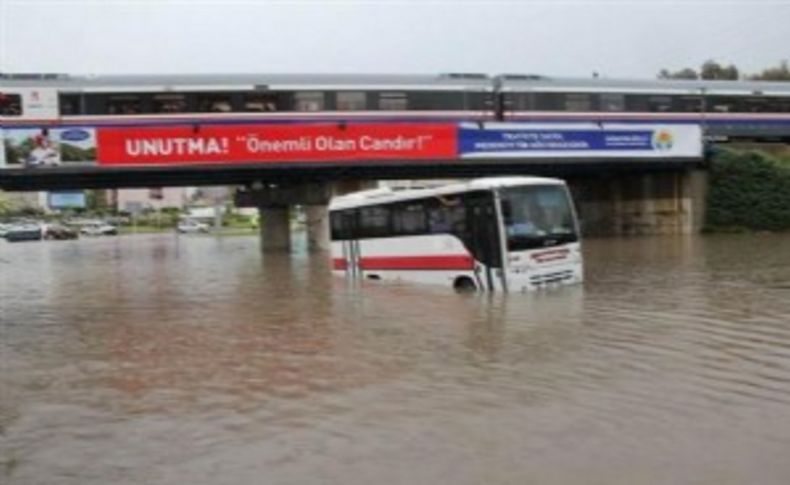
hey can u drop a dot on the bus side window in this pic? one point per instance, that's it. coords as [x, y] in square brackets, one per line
[336, 226]
[409, 219]
[447, 219]
[374, 221]
[342, 225]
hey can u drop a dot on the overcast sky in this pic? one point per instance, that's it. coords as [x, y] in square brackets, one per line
[633, 38]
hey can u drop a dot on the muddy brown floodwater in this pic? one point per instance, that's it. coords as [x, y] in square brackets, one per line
[156, 360]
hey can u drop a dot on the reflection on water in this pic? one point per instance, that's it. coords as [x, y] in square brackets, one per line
[157, 360]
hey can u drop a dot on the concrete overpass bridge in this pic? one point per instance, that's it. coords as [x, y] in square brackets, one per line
[634, 179]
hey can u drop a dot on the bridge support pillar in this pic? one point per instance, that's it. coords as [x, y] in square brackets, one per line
[317, 222]
[275, 229]
[628, 204]
[697, 199]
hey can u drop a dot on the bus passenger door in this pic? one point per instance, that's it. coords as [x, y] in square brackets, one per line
[484, 238]
[344, 232]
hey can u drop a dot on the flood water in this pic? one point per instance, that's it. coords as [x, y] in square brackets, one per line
[195, 360]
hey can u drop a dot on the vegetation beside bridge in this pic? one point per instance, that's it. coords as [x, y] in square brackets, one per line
[749, 190]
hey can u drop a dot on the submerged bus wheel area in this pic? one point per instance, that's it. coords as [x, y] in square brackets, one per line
[464, 284]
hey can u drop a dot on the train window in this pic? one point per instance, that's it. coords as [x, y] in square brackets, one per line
[10, 104]
[612, 102]
[549, 101]
[654, 103]
[70, 104]
[688, 104]
[308, 101]
[351, 100]
[393, 101]
[260, 102]
[169, 103]
[213, 103]
[779, 105]
[756, 105]
[479, 101]
[578, 102]
[437, 100]
[123, 104]
[723, 104]
[519, 101]
[659, 104]
[635, 102]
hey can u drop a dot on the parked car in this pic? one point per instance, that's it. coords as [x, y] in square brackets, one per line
[99, 229]
[4, 229]
[59, 232]
[23, 232]
[191, 226]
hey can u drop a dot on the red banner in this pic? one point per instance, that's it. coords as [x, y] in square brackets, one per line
[188, 144]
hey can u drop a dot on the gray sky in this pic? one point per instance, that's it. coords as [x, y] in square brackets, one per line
[633, 38]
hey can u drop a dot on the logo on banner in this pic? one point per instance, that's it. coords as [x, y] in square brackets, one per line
[75, 135]
[663, 140]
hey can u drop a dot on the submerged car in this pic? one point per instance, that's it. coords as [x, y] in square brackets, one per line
[59, 232]
[191, 226]
[23, 232]
[99, 229]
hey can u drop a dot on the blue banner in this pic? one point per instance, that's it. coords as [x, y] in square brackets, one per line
[548, 140]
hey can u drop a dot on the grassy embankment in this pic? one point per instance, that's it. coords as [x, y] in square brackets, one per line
[749, 191]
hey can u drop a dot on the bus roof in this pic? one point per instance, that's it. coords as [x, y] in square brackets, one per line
[386, 195]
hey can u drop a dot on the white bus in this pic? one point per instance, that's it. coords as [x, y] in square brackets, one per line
[489, 234]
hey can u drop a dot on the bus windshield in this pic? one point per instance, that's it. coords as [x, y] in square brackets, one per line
[537, 216]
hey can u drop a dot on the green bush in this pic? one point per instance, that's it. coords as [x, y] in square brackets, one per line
[748, 190]
[163, 219]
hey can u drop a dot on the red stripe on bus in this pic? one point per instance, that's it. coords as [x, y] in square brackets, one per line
[433, 262]
[437, 262]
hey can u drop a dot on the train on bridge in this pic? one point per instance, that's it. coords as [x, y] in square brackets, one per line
[725, 109]
[158, 130]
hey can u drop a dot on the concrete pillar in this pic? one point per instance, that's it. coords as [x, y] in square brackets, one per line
[317, 222]
[697, 195]
[275, 229]
[617, 206]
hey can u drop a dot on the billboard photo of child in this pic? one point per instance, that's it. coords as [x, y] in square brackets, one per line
[44, 152]
[45, 147]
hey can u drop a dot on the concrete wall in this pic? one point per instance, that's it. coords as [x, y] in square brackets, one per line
[623, 204]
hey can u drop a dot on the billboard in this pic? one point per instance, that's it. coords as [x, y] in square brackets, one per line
[66, 200]
[275, 143]
[48, 147]
[250, 143]
[525, 140]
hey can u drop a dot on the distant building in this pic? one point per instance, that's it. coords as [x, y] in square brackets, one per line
[136, 200]
[25, 200]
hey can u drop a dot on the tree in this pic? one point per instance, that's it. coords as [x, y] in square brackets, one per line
[779, 73]
[713, 70]
[685, 73]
